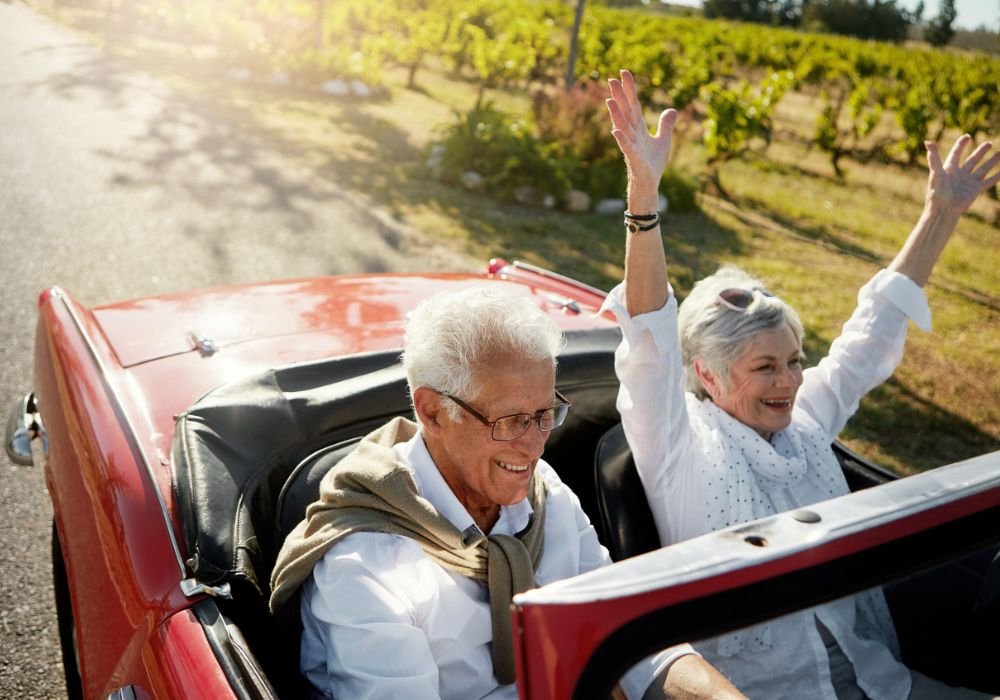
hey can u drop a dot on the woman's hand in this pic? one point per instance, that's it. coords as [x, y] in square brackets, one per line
[646, 155]
[952, 186]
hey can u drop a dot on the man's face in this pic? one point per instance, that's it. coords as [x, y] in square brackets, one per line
[482, 472]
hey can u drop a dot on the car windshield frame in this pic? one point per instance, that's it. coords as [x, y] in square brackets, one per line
[749, 573]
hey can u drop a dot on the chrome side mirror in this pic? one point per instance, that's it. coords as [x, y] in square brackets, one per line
[24, 427]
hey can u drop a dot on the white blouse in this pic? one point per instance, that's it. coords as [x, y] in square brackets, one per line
[704, 470]
[382, 620]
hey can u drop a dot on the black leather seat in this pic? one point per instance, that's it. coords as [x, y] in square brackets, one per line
[235, 451]
[626, 524]
[248, 457]
[302, 486]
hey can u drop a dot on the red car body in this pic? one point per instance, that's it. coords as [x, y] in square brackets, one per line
[111, 379]
[109, 382]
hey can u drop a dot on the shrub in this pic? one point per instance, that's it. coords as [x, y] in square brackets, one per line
[680, 191]
[574, 125]
[569, 145]
[503, 150]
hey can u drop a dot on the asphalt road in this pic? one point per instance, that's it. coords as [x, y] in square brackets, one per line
[113, 187]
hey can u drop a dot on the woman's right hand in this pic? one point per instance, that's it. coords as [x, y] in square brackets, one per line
[646, 155]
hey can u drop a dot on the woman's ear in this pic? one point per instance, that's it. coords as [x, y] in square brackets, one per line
[427, 404]
[707, 378]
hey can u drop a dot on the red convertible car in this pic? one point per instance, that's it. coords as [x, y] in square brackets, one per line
[180, 437]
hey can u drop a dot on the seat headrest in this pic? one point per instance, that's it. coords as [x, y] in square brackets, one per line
[302, 486]
[626, 523]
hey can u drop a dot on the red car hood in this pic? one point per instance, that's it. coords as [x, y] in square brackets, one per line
[345, 315]
[157, 370]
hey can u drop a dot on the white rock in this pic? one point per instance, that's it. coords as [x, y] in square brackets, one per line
[471, 180]
[336, 87]
[549, 201]
[360, 89]
[577, 201]
[663, 202]
[610, 207]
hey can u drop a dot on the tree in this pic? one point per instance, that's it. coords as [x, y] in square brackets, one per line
[917, 15]
[867, 19]
[746, 10]
[940, 30]
[318, 27]
[738, 115]
[574, 43]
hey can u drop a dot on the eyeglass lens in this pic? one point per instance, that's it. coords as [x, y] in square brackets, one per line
[513, 427]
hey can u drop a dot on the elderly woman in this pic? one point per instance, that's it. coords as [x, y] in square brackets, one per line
[725, 426]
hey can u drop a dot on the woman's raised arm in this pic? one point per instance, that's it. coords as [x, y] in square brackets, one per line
[646, 157]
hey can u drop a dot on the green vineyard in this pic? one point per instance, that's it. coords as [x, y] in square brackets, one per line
[878, 100]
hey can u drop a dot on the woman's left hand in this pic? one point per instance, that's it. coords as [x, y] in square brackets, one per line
[952, 186]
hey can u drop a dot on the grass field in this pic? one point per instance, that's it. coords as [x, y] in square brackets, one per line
[814, 237]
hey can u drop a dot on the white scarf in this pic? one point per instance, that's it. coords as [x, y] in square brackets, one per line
[797, 468]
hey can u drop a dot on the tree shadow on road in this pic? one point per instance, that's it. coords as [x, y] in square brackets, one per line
[171, 145]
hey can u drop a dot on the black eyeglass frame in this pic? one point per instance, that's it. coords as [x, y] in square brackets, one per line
[739, 299]
[535, 417]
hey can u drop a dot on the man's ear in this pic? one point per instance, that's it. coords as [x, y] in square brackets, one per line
[707, 378]
[428, 405]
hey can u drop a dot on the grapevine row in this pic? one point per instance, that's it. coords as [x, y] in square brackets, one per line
[875, 99]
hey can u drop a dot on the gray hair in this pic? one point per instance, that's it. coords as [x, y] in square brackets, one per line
[452, 336]
[719, 335]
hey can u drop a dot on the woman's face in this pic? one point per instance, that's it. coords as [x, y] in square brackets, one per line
[763, 382]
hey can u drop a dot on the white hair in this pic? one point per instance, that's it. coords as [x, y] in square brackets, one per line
[452, 337]
[718, 335]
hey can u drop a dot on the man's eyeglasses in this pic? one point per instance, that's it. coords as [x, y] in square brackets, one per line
[737, 299]
[512, 427]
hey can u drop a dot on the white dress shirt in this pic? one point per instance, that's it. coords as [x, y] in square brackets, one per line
[703, 470]
[382, 620]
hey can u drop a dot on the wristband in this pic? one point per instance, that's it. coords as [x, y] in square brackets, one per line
[642, 217]
[634, 227]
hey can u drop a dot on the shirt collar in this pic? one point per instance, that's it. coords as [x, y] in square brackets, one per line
[432, 486]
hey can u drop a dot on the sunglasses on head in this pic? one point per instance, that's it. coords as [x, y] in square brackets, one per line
[739, 299]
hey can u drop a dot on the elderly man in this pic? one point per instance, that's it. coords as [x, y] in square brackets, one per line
[409, 559]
